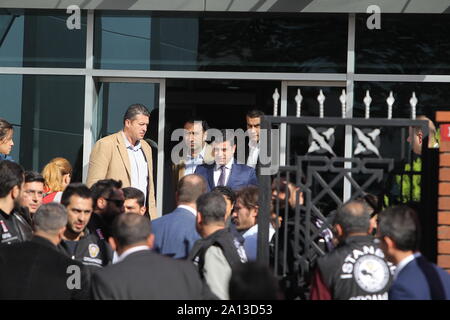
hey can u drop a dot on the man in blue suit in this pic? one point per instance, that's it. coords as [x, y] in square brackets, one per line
[175, 233]
[415, 278]
[225, 171]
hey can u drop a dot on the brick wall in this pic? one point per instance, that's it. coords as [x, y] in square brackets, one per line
[443, 259]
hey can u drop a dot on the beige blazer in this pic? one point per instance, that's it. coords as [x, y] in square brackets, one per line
[109, 160]
[179, 169]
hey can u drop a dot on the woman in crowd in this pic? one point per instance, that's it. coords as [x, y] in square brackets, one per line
[6, 139]
[57, 174]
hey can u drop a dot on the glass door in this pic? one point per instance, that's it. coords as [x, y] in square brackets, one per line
[114, 96]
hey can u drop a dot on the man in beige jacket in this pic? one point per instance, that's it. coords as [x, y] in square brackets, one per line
[126, 156]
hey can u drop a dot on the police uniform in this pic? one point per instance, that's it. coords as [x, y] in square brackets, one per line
[92, 250]
[14, 228]
[355, 270]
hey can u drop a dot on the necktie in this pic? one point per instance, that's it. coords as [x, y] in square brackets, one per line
[221, 181]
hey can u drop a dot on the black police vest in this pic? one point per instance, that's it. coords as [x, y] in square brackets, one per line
[357, 270]
[221, 238]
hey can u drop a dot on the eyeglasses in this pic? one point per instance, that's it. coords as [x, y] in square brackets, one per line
[117, 202]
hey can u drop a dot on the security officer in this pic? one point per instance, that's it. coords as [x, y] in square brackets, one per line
[356, 269]
[13, 226]
[90, 249]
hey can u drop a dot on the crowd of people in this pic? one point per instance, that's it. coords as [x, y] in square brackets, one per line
[104, 240]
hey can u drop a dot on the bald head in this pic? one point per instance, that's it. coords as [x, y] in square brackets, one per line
[190, 187]
[353, 217]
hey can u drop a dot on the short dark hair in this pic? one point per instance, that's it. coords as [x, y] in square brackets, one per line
[253, 281]
[5, 128]
[205, 125]
[77, 189]
[190, 187]
[226, 135]
[226, 191]
[11, 175]
[212, 208]
[255, 113]
[401, 224]
[134, 193]
[134, 110]
[130, 228]
[33, 176]
[249, 196]
[353, 216]
[104, 188]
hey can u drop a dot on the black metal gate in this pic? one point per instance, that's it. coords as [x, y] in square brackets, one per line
[312, 181]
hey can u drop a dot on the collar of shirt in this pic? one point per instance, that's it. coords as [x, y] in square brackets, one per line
[130, 251]
[227, 166]
[190, 209]
[252, 144]
[198, 159]
[128, 145]
[403, 264]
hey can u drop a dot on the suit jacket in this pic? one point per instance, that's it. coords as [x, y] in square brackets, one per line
[241, 176]
[180, 168]
[412, 283]
[148, 275]
[109, 160]
[175, 233]
[36, 270]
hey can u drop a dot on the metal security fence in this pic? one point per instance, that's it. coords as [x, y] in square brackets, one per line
[299, 199]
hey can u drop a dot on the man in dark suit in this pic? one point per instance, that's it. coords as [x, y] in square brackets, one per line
[175, 233]
[141, 273]
[415, 278]
[225, 171]
[35, 269]
[253, 119]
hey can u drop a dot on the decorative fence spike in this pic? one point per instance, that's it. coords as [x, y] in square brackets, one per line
[413, 102]
[390, 101]
[343, 100]
[275, 97]
[367, 101]
[321, 99]
[298, 100]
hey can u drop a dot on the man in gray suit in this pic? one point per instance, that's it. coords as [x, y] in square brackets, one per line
[142, 274]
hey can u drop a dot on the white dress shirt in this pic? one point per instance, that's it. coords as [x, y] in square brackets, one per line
[126, 253]
[217, 172]
[253, 153]
[403, 264]
[190, 209]
[192, 163]
[139, 166]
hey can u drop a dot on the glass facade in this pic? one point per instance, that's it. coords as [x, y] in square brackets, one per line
[405, 44]
[33, 38]
[47, 113]
[217, 42]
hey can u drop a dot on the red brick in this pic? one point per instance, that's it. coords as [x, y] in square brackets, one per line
[443, 261]
[444, 232]
[444, 174]
[444, 160]
[444, 203]
[444, 247]
[444, 146]
[444, 188]
[444, 217]
[443, 116]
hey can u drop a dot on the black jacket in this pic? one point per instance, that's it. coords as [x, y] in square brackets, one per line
[37, 270]
[14, 228]
[148, 275]
[91, 251]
